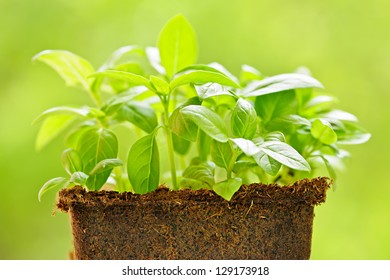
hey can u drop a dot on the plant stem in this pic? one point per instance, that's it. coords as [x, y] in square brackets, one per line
[171, 154]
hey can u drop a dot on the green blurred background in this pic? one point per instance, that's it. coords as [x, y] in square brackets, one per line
[346, 44]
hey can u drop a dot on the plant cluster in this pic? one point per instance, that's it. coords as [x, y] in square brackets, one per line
[217, 131]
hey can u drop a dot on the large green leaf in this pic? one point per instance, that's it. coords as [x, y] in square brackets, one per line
[72, 68]
[223, 154]
[182, 125]
[280, 83]
[244, 120]
[139, 114]
[228, 188]
[207, 120]
[177, 45]
[285, 154]
[143, 164]
[323, 132]
[95, 145]
[272, 106]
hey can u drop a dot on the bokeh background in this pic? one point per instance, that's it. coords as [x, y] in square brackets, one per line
[345, 43]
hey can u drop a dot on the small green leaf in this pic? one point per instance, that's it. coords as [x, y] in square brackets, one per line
[244, 120]
[177, 45]
[51, 128]
[95, 145]
[72, 68]
[106, 164]
[117, 55]
[285, 154]
[222, 154]
[143, 164]
[198, 176]
[139, 114]
[180, 145]
[228, 188]
[136, 80]
[160, 85]
[182, 125]
[79, 178]
[71, 161]
[352, 134]
[272, 106]
[246, 146]
[280, 83]
[318, 104]
[200, 77]
[323, 132]
[58, 182]
[207, 120]
[249, 74]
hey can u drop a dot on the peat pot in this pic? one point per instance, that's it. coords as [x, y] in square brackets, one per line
[260, 222]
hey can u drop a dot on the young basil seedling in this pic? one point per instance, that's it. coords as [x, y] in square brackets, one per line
[267, 129]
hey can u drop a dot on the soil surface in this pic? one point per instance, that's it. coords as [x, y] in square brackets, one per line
[260, 222]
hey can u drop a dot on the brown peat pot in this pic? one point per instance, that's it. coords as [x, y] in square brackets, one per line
[260, 222]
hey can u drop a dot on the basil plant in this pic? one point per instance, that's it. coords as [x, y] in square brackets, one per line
[216, 130]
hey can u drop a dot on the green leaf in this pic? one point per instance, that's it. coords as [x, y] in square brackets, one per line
[280, 83]
[58, 182]
[64, 110]
[177, 45]
[180, 144]
[207, 120]
[272, 106]
[160, 85]
[203, 145]
[71, 161]
[288, 123]
[249, 74]
[318, 104]
[198, 176]
[246, 146]
[228, 188]
[139, 114]
[267, 163]
[223, 154]
[143, 165]
[211, 90]
[182, 125]
[275, 136]
[72, 68]
[323, 132]
[352, 134]
[244, 119]
[136, 80]
[51, 128]
[106, 164]
[117, 55]
[285, 154]
[95, 145]
[200, 77]
[79, 178]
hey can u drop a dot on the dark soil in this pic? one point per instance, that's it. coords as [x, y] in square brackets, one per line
[260, 222]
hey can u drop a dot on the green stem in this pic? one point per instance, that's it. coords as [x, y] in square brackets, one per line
[171, 154]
